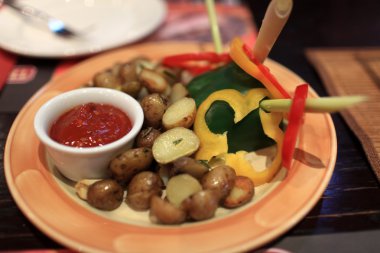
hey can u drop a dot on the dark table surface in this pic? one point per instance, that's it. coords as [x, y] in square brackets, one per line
[347, 217]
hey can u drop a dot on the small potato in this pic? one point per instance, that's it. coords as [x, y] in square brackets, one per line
[167, 93]
[170, 74]
[163, 212]
[146, 137]
[105, 195]
[129, 163]
[180, 114]
[81, 187]
[202, 205]
[241, 193]
[178, 91]
[107, 80]
[221, 179]
[128, 72]
[115, 69]
[190, 166]
[143, 62]
[175, 143]
[141, 188]
[153, 81]
[186, 77]
[154, 107]
[143, 93]
[132, 88]
[216, 161]
[181, 187]
[164, 171]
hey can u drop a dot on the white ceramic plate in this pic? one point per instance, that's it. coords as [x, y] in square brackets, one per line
[103, 24]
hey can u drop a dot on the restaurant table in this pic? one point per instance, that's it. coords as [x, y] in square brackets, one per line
[347, 216]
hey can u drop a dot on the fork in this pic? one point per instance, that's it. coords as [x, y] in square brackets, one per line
[55, 25]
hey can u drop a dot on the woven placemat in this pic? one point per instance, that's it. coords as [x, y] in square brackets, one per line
[355, 72]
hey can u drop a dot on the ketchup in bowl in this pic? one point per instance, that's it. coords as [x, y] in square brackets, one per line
[90, 125]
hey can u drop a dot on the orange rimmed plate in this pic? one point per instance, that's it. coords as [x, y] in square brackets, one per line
[50, 203]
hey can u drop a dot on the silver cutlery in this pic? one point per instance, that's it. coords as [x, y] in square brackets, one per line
[55, 25]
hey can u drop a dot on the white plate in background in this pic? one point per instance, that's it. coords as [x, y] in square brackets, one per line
[103, 24]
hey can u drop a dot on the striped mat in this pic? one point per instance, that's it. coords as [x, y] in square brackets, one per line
[352, 71]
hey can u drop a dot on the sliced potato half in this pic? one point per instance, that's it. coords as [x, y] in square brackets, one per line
[175, 143]
[153, 81]
[180, 114]
[178, 91]
[181, 187]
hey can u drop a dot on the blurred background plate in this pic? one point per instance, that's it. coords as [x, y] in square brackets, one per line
[102, 24]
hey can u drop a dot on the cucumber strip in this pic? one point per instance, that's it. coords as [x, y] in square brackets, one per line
[214, 26]
[316, 105]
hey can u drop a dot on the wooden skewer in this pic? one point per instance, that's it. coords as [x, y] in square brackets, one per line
[274, 20]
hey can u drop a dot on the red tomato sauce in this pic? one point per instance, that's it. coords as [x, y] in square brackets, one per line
[90, 125]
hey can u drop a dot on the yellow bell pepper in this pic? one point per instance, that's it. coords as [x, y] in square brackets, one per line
[216, 144]
[256, 69]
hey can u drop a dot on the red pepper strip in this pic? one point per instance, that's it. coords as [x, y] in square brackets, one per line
[194, 70]
[265, 72]
[192, 62]
[210, 57]
[295, 121]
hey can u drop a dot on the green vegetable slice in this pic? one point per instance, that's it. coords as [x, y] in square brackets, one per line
[248, 134]
[229, 76]
[220, 117]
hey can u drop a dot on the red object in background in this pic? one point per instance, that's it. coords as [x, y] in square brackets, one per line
[7, 61]
[188, 21]
[22, 74]
[90, 125]
[295, 119]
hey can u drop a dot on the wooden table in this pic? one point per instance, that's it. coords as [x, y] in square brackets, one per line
[347, 217]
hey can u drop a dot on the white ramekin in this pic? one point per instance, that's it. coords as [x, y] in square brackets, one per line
[91, 162]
